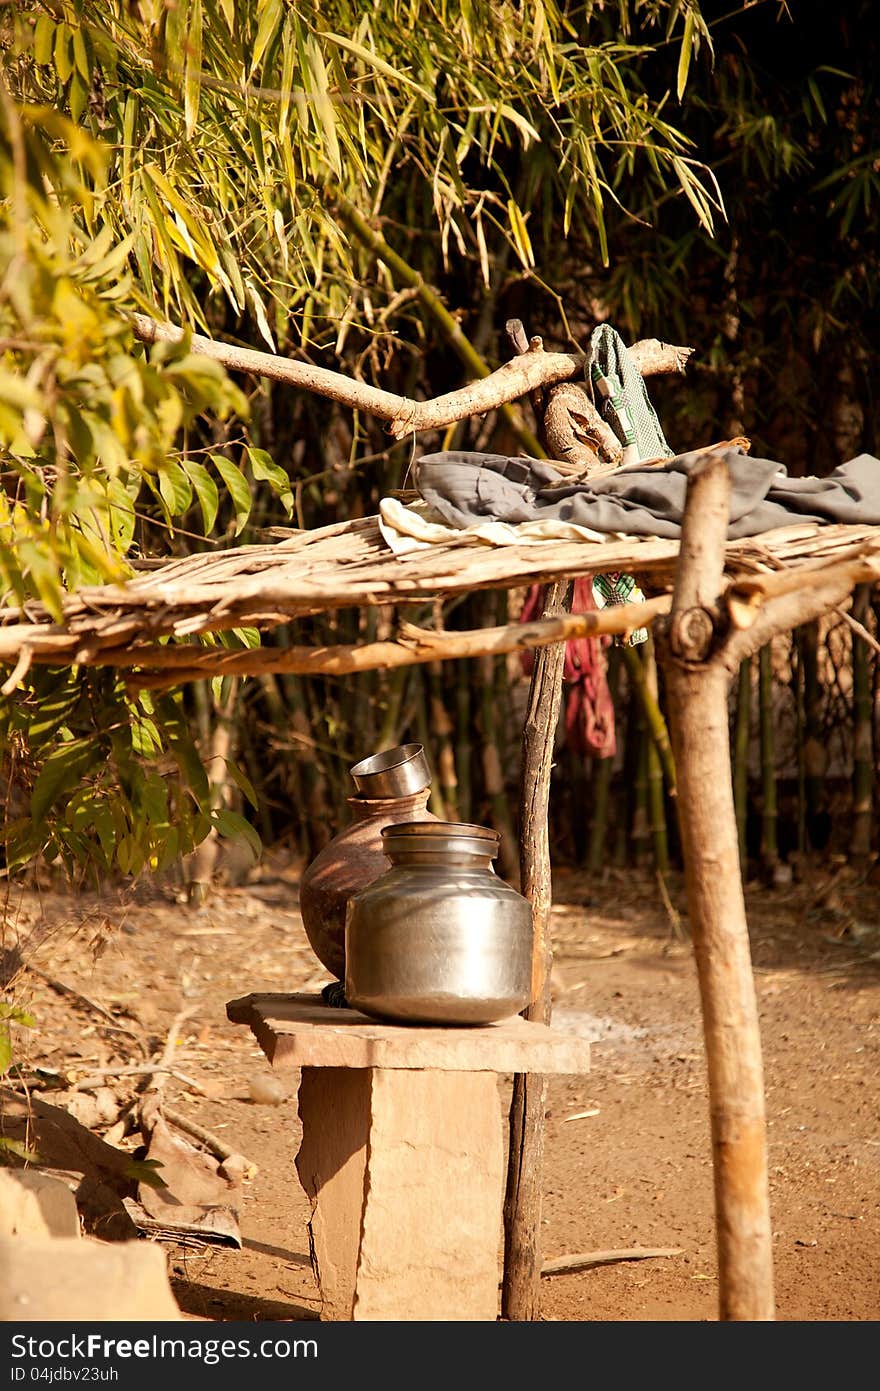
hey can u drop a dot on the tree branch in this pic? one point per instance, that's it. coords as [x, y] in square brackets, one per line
[524, 374]
[413, 646]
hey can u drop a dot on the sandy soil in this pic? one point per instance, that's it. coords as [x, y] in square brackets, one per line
[628, 1160]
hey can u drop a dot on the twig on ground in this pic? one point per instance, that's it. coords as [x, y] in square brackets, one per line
[137, 1070]
[671, 911]
[582, 1260]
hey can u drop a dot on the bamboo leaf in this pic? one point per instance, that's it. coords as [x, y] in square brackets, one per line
[323, 105]
[236, 827]
[525, 128]
[243, 781]
[63, 58]
[81, 55]
[264, 467]
[270, 18]
[684, 58]
[260, 313]
[192, 76]
[521, 237]
[175, 487]
[373, 60]
[44, 40]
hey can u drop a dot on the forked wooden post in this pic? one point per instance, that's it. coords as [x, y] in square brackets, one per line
[690, 646]
[521, 1281]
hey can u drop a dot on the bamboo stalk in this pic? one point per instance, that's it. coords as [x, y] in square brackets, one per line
[316, 820]
[656, 804]
[603, 774]
[436, 799]
[863, 741]
[799, 725]
[493, 772]
[442, 726]
[639, 832]
[651, 713]
[200, 865]
[815, 751]
[292, 782]
[769, 842]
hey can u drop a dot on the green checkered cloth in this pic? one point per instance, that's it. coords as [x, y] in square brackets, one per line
[621, 397]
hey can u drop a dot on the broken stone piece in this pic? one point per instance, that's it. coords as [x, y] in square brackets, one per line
[33, 1204]
[61, 1279]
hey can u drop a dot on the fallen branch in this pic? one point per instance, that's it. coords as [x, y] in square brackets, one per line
[212, 1142]
[97, 1075]
[583, 1260]
[150, 1100]
[526, 373]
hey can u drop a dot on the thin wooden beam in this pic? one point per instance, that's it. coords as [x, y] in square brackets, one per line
[520, 1287]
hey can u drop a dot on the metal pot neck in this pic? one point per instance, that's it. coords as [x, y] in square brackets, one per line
[395, 808]
[439, 857]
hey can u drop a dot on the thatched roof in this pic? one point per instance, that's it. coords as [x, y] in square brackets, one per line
[350, 565]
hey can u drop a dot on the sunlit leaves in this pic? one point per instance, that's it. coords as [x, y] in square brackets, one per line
[113, 781]
[289, 100]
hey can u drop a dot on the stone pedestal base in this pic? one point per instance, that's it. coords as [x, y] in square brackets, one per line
[405, 1173]
[402, 1154]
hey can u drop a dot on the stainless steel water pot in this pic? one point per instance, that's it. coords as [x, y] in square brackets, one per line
[439, 938]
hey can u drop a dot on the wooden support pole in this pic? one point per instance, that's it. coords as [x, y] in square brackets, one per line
[689, 646]
[520, 1286]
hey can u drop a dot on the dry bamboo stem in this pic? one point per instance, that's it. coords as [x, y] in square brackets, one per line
[523, 375]
[697, 683]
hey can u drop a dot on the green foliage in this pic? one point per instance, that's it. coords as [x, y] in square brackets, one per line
[229, 130]
[102, 778]
[11, 1014]
[87, 418]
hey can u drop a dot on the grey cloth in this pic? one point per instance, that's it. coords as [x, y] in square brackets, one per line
[639, 500]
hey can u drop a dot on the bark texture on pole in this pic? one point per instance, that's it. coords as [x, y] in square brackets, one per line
[691, 648]
[525, 1166]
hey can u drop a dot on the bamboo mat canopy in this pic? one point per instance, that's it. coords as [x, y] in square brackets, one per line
[349, 565]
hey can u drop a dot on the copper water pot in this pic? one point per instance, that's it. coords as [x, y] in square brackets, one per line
[394, 786]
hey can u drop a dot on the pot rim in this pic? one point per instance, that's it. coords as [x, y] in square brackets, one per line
[445, 830]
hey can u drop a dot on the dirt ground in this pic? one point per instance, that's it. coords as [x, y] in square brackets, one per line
[628, 1161]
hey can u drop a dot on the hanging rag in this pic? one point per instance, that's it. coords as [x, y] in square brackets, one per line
[589, 708]
[621, 397]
